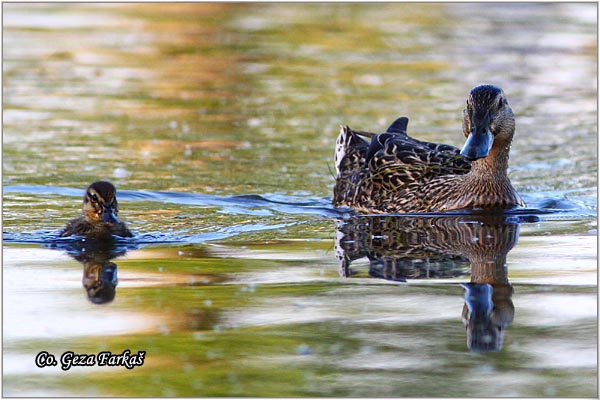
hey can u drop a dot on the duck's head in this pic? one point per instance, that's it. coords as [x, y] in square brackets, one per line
[100, 203]
[488, 121]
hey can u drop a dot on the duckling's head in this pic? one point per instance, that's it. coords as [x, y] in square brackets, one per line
[100, 203]
[488, 121]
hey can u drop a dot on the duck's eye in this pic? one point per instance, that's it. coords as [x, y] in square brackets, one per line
[501, 103]
[94, 198]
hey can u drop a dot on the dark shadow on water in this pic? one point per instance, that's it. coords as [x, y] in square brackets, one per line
[99, 272]
[99, 277]
[403, 248]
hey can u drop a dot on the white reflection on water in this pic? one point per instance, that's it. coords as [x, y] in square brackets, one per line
[356, 305]
[38, 16]
[572, 261]
[558, 309]
[36, 277]
[562, 355]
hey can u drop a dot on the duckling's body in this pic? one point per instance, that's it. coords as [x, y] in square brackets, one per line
[80, 226]
[99, 219]
[395, 173]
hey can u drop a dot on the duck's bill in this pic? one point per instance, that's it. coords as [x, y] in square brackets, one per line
[109, 216]
[478, 144]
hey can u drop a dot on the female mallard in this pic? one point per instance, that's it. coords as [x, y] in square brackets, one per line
[395, 173]
[99, 219]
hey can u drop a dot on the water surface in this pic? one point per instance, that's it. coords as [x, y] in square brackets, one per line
[217, 124]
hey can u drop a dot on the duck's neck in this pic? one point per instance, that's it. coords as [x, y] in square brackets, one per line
[487, 184]
[494, 166]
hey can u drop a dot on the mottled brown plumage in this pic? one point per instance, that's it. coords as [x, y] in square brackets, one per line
[394, 173]
[100, 210]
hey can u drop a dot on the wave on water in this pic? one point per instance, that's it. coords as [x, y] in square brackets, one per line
[575, 202]
[542, 207]
[250, 204]
[52, 239]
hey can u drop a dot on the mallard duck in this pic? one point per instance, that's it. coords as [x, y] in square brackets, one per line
[395, 173]
[99, 219]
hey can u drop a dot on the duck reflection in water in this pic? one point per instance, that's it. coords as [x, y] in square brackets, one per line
[100, 280]
[99, 272]
[409, 247]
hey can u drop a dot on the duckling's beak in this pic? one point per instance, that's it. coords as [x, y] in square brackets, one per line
[480, 141]
[108, 214]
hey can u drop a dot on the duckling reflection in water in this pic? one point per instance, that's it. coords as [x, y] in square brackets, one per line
[401, 248]
[395, 173]
[100, 281]
[100, 210]
[99, 272]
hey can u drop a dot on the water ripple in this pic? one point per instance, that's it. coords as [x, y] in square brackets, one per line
[52, 238]
[545, 206]
[248, 203]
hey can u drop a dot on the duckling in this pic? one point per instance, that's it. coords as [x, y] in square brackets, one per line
[99, 219]
[395, 173]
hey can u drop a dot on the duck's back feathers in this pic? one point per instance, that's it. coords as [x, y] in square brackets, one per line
[79, 226]
[415, 159]
[392, 162]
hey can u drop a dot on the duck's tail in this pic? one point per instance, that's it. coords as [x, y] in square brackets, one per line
[352, 154]
[350, 151]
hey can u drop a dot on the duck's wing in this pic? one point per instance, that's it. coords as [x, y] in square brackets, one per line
[400, 160]
[398, 127]
[441, 148]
